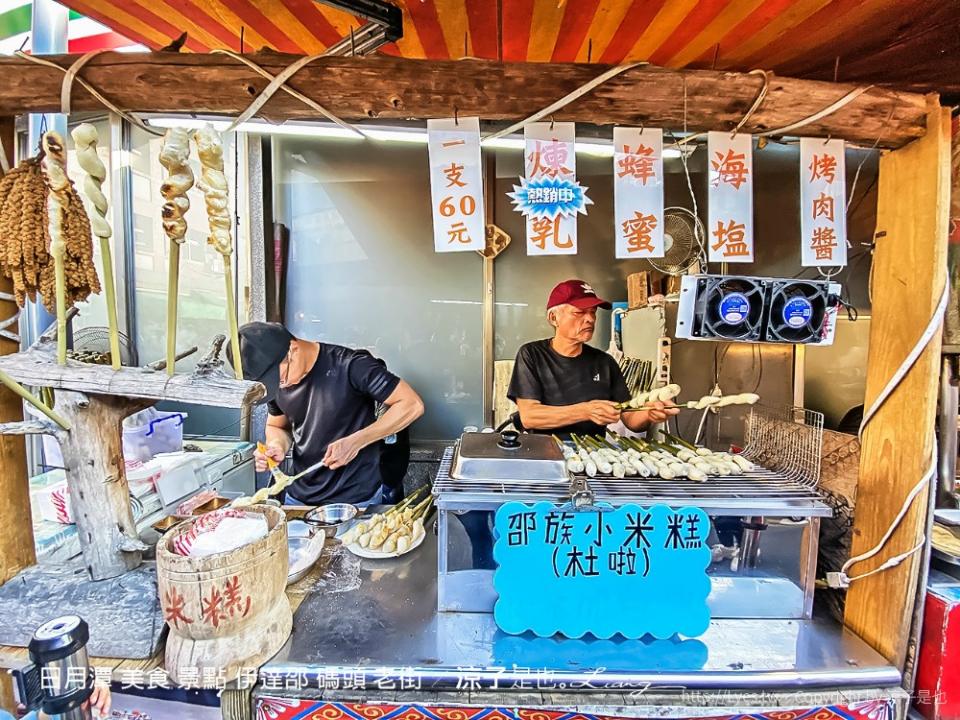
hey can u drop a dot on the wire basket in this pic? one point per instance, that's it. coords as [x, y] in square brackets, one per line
[787, 440]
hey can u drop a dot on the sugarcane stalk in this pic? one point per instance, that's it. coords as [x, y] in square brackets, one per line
[173, 289]
[85, 138]
[61, 290]
[106, 256]
[25, 394]
[175, 158]
[232, 317]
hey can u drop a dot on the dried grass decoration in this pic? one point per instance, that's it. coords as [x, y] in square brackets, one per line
[25, 237]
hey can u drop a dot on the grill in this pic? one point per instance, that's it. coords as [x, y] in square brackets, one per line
[783, 442]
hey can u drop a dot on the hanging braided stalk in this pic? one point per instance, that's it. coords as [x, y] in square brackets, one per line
[213, 184]
[55, 170]
[85, 138]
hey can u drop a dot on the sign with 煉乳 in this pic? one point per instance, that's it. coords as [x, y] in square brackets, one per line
[628, 571]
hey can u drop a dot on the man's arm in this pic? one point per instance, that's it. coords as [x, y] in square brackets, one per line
[536, 416]
[403, 407]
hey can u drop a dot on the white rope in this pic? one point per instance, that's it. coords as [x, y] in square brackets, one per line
[4, 165]
[309, 102]
[933, 326]
[829, 110]
[67, 85]
[90, 89]
[565, 100]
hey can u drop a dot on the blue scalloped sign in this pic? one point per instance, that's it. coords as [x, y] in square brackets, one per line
[547, 197]
[629, 571]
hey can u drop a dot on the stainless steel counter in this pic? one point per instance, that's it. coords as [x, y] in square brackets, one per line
[378, 619]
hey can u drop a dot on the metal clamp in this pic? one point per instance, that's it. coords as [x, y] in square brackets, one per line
[581, 496]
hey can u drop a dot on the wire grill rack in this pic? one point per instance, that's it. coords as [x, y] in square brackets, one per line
[784, 443]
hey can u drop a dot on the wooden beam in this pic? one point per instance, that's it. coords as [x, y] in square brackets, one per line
[16, 529]
[909, 269]
[207, 385]
[396, 89]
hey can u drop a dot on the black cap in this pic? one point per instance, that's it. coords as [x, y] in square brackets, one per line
[263, 346]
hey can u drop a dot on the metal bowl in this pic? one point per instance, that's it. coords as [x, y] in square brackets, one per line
[331, 518]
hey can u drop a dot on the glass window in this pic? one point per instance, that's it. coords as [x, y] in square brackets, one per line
[202, 303]
[362, 271]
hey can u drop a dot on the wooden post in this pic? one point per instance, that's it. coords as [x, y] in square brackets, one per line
[909, 269]
[16, 529]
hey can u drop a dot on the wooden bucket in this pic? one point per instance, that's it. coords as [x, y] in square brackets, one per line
[226, 612]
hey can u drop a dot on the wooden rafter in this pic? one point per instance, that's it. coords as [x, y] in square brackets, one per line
[396, 89]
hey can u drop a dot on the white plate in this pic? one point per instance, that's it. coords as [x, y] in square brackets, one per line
[376, 554]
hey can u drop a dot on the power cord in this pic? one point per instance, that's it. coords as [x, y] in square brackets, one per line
[842, 579]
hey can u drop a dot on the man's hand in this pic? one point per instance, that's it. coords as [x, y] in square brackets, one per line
[659, 411]
[342, 452]
[274, 452]
[602, 412]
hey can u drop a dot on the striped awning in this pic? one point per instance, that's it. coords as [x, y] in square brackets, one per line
[913, 44]
[83, 34]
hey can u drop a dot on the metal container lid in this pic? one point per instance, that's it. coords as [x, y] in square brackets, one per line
[508, 457]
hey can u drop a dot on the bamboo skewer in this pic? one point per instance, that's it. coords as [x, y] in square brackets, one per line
[85, 140]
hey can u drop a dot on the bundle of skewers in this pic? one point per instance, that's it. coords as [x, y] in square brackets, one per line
[670, 458]
[638, 374]
[394, 531]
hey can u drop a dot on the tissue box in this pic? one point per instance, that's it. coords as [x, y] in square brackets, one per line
[53, 502]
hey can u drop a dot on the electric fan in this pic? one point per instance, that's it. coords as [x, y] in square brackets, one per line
[730, 308]
[682, 241]
[752, 309]
[798, 309]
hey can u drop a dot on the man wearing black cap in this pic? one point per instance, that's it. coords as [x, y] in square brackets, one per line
[322, 405]
[563, 385]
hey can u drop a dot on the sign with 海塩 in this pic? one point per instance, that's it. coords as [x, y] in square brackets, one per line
[456, 185]
[628, 571]
[730, 197]
[823, 203]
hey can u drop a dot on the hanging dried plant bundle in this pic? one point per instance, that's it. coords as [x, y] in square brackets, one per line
[25, 238]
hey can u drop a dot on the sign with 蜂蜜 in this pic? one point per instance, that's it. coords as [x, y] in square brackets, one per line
[629, 571]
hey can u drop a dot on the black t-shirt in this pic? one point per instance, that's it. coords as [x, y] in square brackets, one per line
[335, 399]
[543, 374]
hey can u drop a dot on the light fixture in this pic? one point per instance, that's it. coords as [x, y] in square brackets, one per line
[412, 135]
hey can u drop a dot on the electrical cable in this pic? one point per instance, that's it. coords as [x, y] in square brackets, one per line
[842, 579]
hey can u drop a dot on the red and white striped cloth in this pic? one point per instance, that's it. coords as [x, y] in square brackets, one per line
[251, 527]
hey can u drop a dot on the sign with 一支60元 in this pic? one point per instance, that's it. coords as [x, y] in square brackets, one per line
[628, 571]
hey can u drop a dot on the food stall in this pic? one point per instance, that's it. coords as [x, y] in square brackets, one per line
[417, 635]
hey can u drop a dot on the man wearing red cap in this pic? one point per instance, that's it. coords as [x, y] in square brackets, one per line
[563, 385]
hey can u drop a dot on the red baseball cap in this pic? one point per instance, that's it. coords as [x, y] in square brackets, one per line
[577, 293]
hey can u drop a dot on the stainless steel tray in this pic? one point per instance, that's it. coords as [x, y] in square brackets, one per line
[508, 457]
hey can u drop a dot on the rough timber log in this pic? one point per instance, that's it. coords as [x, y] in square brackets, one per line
[394, 89]
[94, 400]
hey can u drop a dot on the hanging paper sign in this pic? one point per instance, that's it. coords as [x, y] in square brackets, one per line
[456, 185]
[627, 571]
[638, 192]
[730, 195]
[549, 196]
[823, 203]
